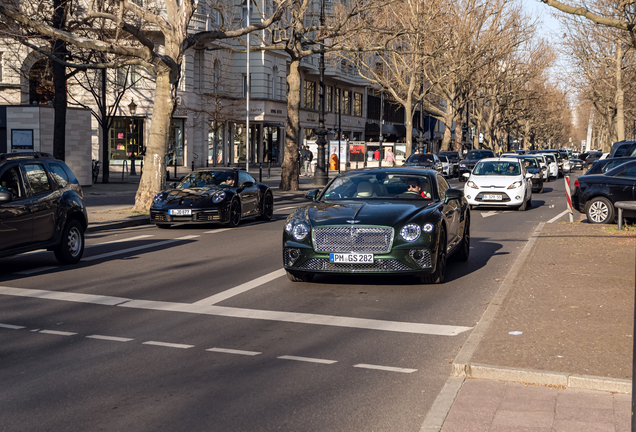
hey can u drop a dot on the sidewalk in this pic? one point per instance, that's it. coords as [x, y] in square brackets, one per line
[553, 351]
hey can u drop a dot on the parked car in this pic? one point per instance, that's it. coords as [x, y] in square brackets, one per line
[625, 148]
[454, 158]
[603, 165]
[424, 160]
[590, 157]
[448, 169]
[553, 167]
[400, 221]
[472, 157]
[576, 163]
[595, 194]
[41, 207]
[213, 195]
[501, 182]
[531, 163]
[562, 166]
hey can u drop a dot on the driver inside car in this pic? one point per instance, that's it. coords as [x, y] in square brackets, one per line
[414, 186]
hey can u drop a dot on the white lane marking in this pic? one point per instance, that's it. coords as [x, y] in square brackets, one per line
[138, 248]
[291, 317]
[217, 298]
[35, 270]
[217, 231]
[59, 333]
[287, 208]
[560, 215]
[109, 338]
[233, 351]
[307, 359]
[122, 240]
[13, 327]
[385, 368]
[169, 345]
[490, 213]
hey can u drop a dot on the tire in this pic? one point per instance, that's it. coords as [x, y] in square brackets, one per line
[440, 266]
[529, 203]
[600, 210]
[235, 214]
[300, 277]
[267, 209]
[541, 190]
[163, 226]
[523, 206]
[71, 247]
[463, 252]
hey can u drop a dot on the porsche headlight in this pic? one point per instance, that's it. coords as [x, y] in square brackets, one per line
[515, 185]
[218, 197]
[157, 198]
[463, 165]
[410, 232]
[472, 185]
[300, 231]
[428, 227]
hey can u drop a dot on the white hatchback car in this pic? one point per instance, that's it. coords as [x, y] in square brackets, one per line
[447, 167]
[543, 163]
[499, 182]
[553, 167]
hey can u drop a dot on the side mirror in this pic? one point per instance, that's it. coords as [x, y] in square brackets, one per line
[248, 184]
[6, 197]
[466, 175]
[172, 185]
[312, 194]
[452, 194]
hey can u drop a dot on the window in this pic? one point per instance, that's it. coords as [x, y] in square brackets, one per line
[1, 65]
[60, 176]
[128, 76]
[38, 181]
[244, 178]
[269, 88]
[199, 70]
[329, 100]
[283, 89]
[10, 181]
[357, 104]
[275, 94]
[346, 102]
[217, 75]
[628, 172]
[309, 95]
[338, 106]
[442, 185]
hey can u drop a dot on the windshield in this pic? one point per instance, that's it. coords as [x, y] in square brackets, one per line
[530, 162]
[501, 167]
[549, 158]
[379, 185]
[479, 154]
[443, 158]
[203, 179]
[450, 155]
[419, 158]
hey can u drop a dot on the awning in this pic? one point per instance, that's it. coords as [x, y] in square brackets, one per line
[269, 124]
[400, 131]
[372, 129]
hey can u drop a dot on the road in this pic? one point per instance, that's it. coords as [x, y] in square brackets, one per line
[197, 329]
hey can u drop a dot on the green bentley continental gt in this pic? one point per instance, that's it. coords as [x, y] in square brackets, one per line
[401, 221]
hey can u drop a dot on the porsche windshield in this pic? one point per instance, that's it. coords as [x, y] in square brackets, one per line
[479, 154]
[500, 167]
[530, 162]
[202, 179]
[420, 158]
[379, 186]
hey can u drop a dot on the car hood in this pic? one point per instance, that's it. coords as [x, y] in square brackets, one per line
[366, 213]
[533, 170]
[470, 161]
[494, 180]
[189, 195]
[427, 164]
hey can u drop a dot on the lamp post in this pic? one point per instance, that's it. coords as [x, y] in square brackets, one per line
[320, 175]
[420, 137]
[132, 107]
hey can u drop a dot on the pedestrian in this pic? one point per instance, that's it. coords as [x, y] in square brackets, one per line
[389, 156]
[308, 156]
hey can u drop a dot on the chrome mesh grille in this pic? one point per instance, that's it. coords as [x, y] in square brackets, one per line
[379, 265]
[353, 239]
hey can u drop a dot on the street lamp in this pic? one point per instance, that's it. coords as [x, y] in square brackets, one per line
[320, 175]
[132, 107]
[420, 137]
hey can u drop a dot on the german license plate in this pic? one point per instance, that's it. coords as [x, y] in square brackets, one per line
[351, 258]
[492, 197]
[180, 212]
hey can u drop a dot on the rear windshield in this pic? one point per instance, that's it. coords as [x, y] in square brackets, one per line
[418, 158]
[479, 154]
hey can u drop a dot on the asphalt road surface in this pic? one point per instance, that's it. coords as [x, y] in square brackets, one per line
[197, 328]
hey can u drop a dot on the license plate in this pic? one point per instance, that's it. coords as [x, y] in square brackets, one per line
[180, 212]
[351, 258]
[493, 198]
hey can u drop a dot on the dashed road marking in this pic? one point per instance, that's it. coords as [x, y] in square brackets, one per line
[233, 351]
[109, 338]
[307, 359]
[58, 333]
[138, 248]
[385, 368]
[217, 231]
[13, 327]
[167, 344]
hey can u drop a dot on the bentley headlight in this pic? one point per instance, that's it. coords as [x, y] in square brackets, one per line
[300, 231]
[410, 232]
[428, 227]
[218, 197]
[472, 184]
[289, 227]
[515, 185]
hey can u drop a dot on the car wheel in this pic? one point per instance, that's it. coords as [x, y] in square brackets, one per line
[523, 206]
[71, 247]
[300, 277]
[440, 266]
[599, 210]
[267, 209]
[235, 214]
[529, 203]
[541, 190]
[164, 226]
[464, 248]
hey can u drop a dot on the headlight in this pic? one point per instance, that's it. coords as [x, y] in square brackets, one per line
[472, 185]
[289, 227]
[463, 165]
[410, 232]
[536, 175]
[300, 231]
[428, 227]
[515, 185]
[218, 197]
[157, 198]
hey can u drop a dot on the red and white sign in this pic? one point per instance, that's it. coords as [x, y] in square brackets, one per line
[568, 196]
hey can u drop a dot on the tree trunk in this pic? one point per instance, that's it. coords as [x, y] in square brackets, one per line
[409, 127]
[290, 168]
[58, 48]
[620, 108]
[152, 179]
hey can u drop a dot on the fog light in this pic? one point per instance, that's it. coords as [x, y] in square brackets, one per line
[290, 256]
[468, 196]
[422, 257]
[517, 197]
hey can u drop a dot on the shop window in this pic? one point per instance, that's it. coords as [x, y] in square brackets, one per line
[126, 138]
[346, 102]
[309, 95]
[329, 101]
[357, 104]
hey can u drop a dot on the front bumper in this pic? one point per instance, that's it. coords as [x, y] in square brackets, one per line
[198, 216]
[509, 197]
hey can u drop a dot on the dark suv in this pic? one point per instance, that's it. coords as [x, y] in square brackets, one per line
[41, 207]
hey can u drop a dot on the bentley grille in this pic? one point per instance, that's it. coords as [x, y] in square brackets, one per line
[379, 265]
[353, 239]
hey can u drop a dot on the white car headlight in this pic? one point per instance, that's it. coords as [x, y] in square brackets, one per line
[428, 227]
[218, 197]
[515, 185]
[537, 175]
[472, 185]
[410, 232]
[301, 231]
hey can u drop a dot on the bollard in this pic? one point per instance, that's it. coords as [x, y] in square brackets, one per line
[568, 197]
[269, 169]
[192, 164]
[260, 173]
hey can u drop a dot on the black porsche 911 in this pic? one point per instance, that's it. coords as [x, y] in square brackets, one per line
[213, 195]
[403, 221]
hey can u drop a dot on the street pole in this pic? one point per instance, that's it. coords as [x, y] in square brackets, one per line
[420, 137]
[247, 97]
[340, 137]
[380, 138]
[320, 176]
